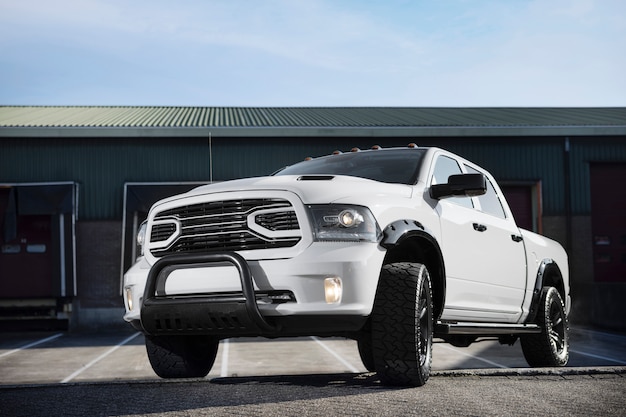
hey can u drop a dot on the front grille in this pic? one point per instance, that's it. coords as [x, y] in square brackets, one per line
[161, 232]
[223, 226]
[285, 220]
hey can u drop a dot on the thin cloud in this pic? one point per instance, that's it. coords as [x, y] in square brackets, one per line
[290, 53]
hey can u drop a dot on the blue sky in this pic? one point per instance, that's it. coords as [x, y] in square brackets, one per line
[313, 53]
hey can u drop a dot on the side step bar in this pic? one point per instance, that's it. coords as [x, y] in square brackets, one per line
[484, 329]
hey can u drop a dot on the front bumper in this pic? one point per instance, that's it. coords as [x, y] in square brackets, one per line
[233, 314]
[226, 308]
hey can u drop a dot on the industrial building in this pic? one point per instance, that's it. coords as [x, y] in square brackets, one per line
[76, 182]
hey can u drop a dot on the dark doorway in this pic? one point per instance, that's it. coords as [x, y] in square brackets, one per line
[525, 203]
[608, 221]
[37, 250]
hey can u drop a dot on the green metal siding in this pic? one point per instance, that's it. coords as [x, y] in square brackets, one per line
[101, 166]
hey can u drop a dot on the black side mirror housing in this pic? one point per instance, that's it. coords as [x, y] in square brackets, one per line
[468, 185]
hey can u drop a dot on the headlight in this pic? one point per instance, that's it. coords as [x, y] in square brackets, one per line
[343, 223]
[141, 237]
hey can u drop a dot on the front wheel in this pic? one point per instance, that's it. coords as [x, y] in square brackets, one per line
[402, 325]
[551, 346]
[181, 356]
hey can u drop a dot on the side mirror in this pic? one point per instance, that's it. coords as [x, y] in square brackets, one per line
[468, 185]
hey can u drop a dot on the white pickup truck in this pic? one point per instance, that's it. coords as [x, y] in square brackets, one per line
[389, 247]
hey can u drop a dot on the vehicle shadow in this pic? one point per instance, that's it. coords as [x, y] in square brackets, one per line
[318, 394]
[186, 396]
[361, 380]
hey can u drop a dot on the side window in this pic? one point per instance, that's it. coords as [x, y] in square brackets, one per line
[444, 167]
[489, 202]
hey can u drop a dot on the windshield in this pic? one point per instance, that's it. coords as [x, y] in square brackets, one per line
[399, 166]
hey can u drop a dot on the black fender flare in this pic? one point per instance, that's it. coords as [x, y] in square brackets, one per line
[399, 231]
[547, 267]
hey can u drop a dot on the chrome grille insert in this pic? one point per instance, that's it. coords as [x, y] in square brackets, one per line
[161, 232]
[231, 225]
[278, 221]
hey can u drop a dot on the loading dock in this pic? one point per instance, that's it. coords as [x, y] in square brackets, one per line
[38, 251]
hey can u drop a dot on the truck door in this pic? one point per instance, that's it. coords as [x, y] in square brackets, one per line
[485, 260]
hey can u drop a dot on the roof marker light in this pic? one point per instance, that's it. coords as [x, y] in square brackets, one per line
[337, 153]
[355, 150]
[412, 145]
[376, 147]
[308, 158]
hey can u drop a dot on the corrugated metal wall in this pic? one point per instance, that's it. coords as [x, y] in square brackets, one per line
[102, 166]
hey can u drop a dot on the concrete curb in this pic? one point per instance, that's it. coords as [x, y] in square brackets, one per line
[597, 370]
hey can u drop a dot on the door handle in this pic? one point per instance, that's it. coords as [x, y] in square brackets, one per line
[479, 227]
[517, 238]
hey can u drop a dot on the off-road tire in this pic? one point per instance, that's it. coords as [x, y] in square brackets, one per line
[551, 346]
[181, 356]
[402, 325]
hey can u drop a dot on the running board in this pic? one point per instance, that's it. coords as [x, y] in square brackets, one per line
[485, 329]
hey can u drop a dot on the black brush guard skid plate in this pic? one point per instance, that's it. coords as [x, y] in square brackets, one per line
[206, 314]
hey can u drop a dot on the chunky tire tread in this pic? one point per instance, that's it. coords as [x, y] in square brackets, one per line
[550, 348]
[181, 356]
[402, 325]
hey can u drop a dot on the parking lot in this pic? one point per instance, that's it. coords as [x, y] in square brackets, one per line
[33, 365]
[58, 357]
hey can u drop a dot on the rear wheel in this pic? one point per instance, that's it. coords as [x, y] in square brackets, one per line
[551, 346]
[181, 356]
[402, 325]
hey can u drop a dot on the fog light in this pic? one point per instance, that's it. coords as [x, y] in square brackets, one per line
[333, 290]
[128, 292]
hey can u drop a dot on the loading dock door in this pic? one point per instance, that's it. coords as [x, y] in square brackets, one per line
[37, 241]
[608, 221]
[525, 202]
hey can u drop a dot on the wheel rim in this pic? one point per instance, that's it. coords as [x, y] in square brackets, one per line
[424, 324]
[556, 327]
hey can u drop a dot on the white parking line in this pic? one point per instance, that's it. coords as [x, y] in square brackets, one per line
[29, 345]
[472, 356]
[574, 329]
[99, 358]
[225, 351]
[336, 355]
[591, 355]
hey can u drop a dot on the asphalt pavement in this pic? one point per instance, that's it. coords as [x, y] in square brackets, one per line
[107, 373]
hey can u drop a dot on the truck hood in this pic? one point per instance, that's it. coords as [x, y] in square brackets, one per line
[311, 189]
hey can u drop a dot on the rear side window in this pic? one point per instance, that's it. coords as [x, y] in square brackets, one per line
[489, 202]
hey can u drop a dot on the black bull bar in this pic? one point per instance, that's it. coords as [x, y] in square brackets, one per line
[233, 314]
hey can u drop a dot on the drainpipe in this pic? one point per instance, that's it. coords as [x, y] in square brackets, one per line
[567, 189]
